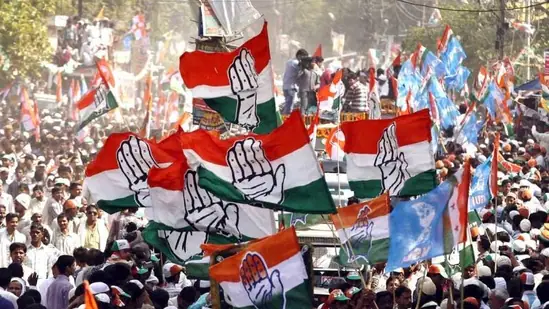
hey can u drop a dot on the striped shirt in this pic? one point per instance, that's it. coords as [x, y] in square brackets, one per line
[356, 99]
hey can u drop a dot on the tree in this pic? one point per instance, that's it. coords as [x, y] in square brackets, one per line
[24, 37]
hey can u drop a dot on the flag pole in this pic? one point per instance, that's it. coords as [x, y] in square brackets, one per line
[421, 287]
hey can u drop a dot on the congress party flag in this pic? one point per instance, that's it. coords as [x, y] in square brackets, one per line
[269, 273]
[329, 96]
[276, 170]
[335, 142]
[364, 231]
[179, 203]
[480, 190]
[238, 84]
[313, 128]
[117, 178]
[96, 102]
[417, 228]
[383, 156]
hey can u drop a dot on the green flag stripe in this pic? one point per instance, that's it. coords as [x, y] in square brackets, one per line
[112, 206]
[305, 196]
[298, 297]
[419, 184]
[378, 252]
[266, 112]
[111, 104]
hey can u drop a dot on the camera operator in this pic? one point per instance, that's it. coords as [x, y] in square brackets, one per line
[289, 81]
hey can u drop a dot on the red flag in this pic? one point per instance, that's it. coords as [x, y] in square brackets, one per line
[59, 89]
[494, 168]
[432, 103]
[397, 60]
[318, 51]
[105, 71]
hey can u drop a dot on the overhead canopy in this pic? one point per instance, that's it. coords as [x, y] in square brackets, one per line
[532, 85]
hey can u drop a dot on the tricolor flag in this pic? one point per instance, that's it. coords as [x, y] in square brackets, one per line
[30, 117]
[97, 102]
[458, 204]
[364, 231]
[382, 155]
[329, 97]
[269, 273]
[374, 104]
[139, 28]
[179, 202]
[276, 170]
[89, 298]
[335, 143]
[423, 59]
[312, 129]
[117, 178]
[237, 84]
[524, 27]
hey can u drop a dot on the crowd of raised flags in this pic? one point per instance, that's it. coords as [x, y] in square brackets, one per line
[204, 195]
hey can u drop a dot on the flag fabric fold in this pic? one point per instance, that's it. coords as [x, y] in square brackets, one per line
[238, 84]
[363, 230]
[480, 189]
[276, 170]
[269, 273]
[124, 163]
[383, 156]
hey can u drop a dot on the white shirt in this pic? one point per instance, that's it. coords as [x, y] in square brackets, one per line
[65, 243]
[36, 206]
[7, 200]
[41, 260]
[5, 242]
[52, 209]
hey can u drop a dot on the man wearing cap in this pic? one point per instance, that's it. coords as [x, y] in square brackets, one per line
[121, 252]
[63, 238]
[173, 275]
[336, 300]
[21, 204]
[39, 256]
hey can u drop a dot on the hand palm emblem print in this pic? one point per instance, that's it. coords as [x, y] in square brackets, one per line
[253, 174]
[135, 159]
[260, 285]
[391, 163]
[360, 236]
[244, 84]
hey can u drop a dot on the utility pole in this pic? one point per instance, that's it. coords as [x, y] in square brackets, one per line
[80, 8]
[500, 34]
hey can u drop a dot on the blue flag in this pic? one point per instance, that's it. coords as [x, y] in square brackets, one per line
[471, 127]
[458, 80]
[493, 96]
[453, 56]
[447, 111]
[408, 80]
[417, 228]
[431, 60]
[479, 194]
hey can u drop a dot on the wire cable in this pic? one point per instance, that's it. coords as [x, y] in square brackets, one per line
[471, 10]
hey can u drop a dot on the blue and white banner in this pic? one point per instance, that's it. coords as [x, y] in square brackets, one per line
[479, 194]
[416, 227]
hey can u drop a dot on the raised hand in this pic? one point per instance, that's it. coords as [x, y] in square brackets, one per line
[361, 231]
[185, 245]
[261, 286]
[391, 162]
[387, 146]
[206, 212]
[135, 160]
[253, 174]
[244, 84]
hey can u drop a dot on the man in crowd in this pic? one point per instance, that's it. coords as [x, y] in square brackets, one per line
[58, 292]
[93, 233]
[8, 236]
[40, 256]
[38, 200]
[63, 238]
[291, 74]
